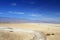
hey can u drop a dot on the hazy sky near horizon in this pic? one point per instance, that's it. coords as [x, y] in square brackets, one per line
[45, 10]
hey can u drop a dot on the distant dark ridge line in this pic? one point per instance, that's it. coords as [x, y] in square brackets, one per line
[26, 22]
[16, 20]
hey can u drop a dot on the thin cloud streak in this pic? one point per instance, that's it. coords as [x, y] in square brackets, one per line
[35, 15]
[31, 2]
[13, 4]
[12, 12]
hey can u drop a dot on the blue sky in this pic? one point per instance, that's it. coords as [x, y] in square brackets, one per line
[43, 10]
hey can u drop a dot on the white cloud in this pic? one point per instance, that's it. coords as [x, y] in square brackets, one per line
[20, 12]
[35, 15]
[13, 4]
[12, 12]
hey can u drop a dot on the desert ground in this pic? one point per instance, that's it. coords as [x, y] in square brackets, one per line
[46, 28]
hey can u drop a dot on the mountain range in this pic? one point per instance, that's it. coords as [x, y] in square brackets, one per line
[17, 20]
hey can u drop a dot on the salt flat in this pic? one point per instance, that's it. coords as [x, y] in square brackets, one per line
[44, 27]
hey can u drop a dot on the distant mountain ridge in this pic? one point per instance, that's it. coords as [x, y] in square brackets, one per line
[17, 20]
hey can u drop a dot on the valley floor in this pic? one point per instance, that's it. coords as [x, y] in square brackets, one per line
[44, 27]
